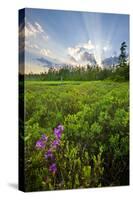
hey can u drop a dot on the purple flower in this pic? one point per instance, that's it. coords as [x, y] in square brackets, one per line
[53, 168]
[55, 143]
[40, 144]
[57, 133]
[49, 154]
[44, 137]
[60, 127]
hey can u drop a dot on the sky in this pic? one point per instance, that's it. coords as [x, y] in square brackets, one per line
[54, 37]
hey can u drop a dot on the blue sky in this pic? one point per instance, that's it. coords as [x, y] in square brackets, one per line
[71, 37]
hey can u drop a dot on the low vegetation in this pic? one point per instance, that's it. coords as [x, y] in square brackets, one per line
[91, 149]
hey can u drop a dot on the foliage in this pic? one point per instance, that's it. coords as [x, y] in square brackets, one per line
[93, 148]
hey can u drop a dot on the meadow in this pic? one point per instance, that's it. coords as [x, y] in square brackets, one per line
[76, 134]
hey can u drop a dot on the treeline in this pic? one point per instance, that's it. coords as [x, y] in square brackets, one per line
[81, 74]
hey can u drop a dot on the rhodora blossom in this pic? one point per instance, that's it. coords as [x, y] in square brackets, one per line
[60, 127]
[55, 143]
[57, 133]
[50, 146]
[44, 137]
[40, 144]
[49, 154]
[53, 168]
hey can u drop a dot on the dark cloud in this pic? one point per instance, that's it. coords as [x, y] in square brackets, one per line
[88, 57]
[82, 54]
[72, 59]
[45, 61]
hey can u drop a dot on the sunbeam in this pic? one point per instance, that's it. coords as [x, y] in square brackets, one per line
[73, 38]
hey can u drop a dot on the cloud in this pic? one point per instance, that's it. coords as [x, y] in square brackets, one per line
[88, 57]
[45, 37]
[45, 61]
[81, 47]
[39, 28]
[31, 37]
[73, 51]
[89, 53]
[89, 45]
[28, 46]
[72, 60]
[29, 29]
[82, 54]
[46, 52]
[33, 29]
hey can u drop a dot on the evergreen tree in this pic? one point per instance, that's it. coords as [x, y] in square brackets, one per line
[122, 57]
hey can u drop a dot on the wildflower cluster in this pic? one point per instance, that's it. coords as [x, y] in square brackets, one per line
[49, 147]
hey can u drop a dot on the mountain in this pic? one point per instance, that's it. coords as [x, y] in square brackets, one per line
[88, 58]
[113, 60]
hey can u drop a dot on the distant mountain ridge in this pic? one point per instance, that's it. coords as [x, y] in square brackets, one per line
[111, 61]
[106, 63]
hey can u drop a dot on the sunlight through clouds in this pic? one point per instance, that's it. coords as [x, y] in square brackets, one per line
[84, 53]
[72, 38]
